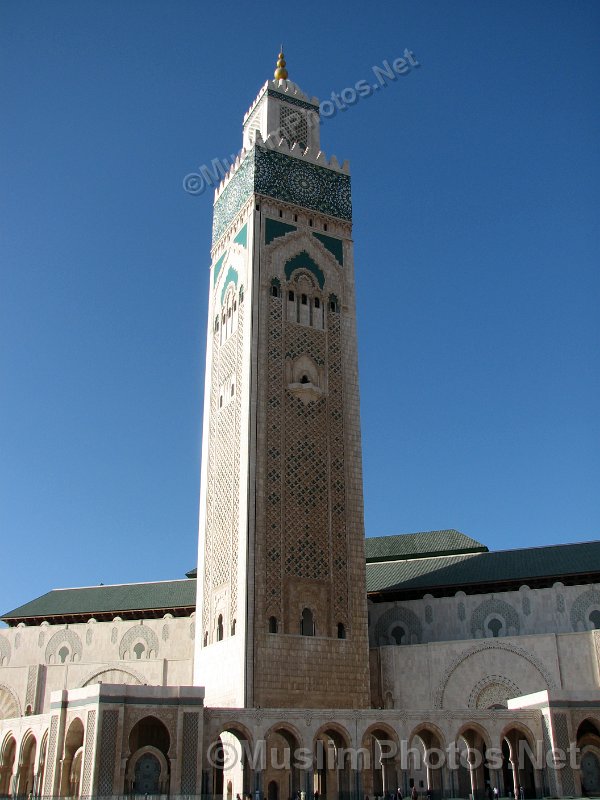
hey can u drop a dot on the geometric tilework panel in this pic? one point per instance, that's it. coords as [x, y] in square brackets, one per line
[108, 747]
[189, 753]
[283, 177]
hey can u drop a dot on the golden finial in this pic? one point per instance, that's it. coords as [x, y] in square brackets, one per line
[281, 72]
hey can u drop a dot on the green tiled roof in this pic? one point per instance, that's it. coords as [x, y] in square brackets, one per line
[97, 600]
[420, 545]
[557, 562]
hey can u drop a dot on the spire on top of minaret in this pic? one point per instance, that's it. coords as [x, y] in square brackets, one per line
[281, 72]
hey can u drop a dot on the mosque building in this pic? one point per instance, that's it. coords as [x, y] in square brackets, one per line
[301, 659]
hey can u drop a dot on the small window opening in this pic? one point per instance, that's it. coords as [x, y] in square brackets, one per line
[233, 628]
[257, 207]
[290, 295]
[216, 324]
[495, 626]
[317, 303]
[310, 222]
[139, 650]
[304, 379]
[232, 389]
[275, 290]
[325, 227]
[272, 624]
[341, 630]
[63, 654]
[280, 214]
[205, 638]
[398, 634]
[229, 311]
[220, 628]
[242, 294]
[304, 299]
[295, 217]
[307, 623]
[221, 401]
[235, 305]
[332, 305]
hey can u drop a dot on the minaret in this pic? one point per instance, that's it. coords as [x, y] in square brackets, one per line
[281, 609]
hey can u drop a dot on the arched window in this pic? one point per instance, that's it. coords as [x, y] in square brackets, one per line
[63, 654]
[291, 296]
[341, 630]
[220, 628]
[139, 650]
[317, 303]
[205, 638]
[233, 628]
[398, 633]
[594, 618]
[307, 623]
[495, 626]
[304, 300]
[304, 379]
[272, 624]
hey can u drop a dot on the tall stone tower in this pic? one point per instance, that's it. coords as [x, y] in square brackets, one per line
[281, 608]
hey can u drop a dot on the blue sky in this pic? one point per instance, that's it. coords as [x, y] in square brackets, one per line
[476, 194]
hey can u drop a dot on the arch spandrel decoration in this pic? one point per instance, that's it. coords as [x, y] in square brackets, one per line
[128, 677]
[136, 634]
[492, 690]
[64, 637]
[492, 644]
[9, 703]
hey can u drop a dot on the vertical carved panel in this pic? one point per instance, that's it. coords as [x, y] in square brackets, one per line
[51, 756]
[273, 543]
[90, 740]
[32, 684]
[337, 476]
[108, 748]
[562, 741]
[189, 753]
[223, 490]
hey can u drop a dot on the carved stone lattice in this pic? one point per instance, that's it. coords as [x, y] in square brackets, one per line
[494, 607]
[4, 651]
[60, 638]
[189, 753]
[49, 779]
[223, 490]
[493, 691]
[90, 736]
[398, 616]
[562, 740]
[32, 681]
[581, 608]
[9, 704]
[108, 749]
[134, 634]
